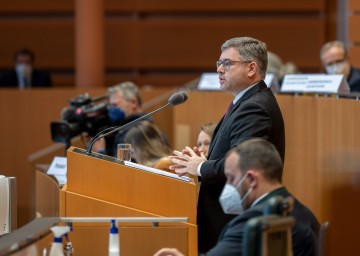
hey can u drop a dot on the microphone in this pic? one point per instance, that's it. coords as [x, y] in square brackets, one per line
[178, 98]
[174, 100]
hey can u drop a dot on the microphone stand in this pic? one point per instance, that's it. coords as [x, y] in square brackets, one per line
[113, 129]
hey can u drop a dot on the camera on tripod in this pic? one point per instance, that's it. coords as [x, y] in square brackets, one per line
[82, 115]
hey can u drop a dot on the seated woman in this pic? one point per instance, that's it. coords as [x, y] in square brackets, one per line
[204, 137]
[149, 146]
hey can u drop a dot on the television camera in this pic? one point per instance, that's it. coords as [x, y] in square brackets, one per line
[82, 115]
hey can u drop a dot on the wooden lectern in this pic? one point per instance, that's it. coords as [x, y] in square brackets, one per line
[102, 186]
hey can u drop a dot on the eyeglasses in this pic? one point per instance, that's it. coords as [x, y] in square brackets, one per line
[335, 62]
[227, 63]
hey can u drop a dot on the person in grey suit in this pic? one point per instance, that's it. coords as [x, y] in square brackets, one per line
[254, 170]
[254, 113]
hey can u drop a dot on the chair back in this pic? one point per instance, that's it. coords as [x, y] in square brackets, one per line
[268, 236]
[279, 205]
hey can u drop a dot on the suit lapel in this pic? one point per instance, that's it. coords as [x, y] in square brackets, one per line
[215, 136]
[258, 87]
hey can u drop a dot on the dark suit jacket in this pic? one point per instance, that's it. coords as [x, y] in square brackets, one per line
[255, 115]
[38, 79]
[354, 79]
[304, 234]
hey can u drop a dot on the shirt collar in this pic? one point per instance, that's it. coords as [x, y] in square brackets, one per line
[240, 94]
[258, 199]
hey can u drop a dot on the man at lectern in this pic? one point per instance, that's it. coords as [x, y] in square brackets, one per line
[125, 106]
[253, 113]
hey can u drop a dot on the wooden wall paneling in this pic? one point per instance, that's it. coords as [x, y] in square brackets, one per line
[167, 79]
[354, 5]
[156, 79]
[194, 43]
[122, 44]
[354, 23]
[63, 79]
[354, 35]
[66, 6]
[337, 145]
[354, 54]
[36, 6]
[52, 40]
[216, 6]
[114, 6]
[300, 157]
[191, 115]
[141, 41]
[47, 195]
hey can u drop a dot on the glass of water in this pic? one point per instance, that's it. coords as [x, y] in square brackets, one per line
[124, 152]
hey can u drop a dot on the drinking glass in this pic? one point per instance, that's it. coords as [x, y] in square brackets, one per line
[124, 152]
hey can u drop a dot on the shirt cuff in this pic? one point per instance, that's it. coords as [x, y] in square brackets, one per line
[199, 168]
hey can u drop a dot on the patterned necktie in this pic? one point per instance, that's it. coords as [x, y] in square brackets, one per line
[229, 109]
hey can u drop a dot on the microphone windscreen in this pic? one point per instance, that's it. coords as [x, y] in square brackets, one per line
[178, 98]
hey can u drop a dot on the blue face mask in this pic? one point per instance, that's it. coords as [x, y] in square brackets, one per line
[115, 115]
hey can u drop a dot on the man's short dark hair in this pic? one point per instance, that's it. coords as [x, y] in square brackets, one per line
[261, 155]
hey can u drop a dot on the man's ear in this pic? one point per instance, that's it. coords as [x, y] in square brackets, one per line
[253, 177]
[134, 102]
[252, 69]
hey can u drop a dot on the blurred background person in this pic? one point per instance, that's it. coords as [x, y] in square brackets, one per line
[204, 137]
[125, 105]
[277, 67]
[335, 60]
[25, 75]
[149, 145]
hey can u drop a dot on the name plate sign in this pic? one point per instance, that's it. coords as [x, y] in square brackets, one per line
[209, 81]
[315, 83]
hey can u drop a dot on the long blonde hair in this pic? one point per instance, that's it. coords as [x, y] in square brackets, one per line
[148, 142]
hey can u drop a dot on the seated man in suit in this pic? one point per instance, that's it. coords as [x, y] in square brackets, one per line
[254, 171]
[24, 75]
[335, 60]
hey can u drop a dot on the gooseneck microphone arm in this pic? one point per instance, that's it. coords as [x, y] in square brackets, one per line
[175, 99]
[120, 128]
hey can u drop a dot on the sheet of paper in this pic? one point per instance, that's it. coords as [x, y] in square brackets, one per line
[157, 171]
[58, 168]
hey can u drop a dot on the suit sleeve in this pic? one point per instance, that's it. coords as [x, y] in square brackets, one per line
[230, 241]
[251, 120]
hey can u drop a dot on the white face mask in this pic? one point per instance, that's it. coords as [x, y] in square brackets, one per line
[23, 70]
[230, 198]
[334, 68]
